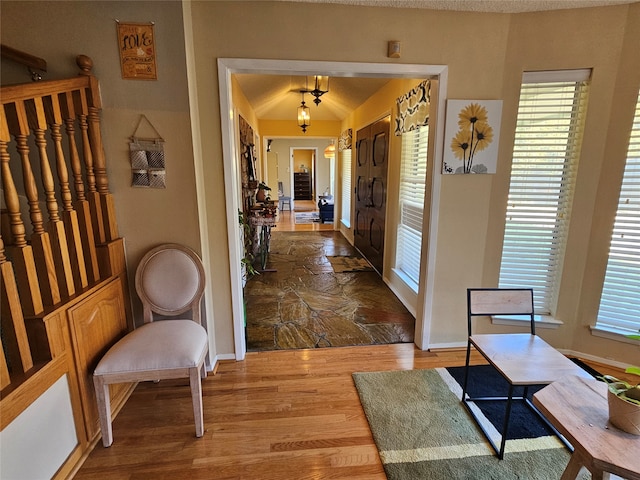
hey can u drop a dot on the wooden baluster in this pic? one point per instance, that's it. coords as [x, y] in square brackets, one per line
[40, 241]
[5, 379]
[69, 215]
[14, 332]
[87, 153]
[55, 227]
[21, 254]
[100, 167]
[81, 204]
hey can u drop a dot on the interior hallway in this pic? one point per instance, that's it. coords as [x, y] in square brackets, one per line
[305, 304]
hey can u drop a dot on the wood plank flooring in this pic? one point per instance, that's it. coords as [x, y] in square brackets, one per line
[285, 221]
[291, 414]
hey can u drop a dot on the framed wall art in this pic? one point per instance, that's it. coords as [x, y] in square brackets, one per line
[472, 131]
[136, 44]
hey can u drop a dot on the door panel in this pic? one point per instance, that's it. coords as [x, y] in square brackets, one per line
[372, 144]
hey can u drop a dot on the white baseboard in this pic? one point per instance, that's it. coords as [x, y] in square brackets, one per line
[219, 358]
[594, 358]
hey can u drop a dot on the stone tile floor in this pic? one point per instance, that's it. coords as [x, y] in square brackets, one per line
[304, 304]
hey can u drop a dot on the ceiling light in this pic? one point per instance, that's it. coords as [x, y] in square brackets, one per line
[330, 151]
[304, 118]
[321, 86]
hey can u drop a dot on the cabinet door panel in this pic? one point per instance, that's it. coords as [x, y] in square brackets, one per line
[96, 323]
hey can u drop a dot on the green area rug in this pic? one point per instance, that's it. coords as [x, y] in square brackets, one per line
[422, 431]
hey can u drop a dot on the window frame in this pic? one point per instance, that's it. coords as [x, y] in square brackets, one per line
[411, 197]
[535, 218]
[617, 312]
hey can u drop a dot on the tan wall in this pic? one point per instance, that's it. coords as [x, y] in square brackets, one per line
[57, 32]
[485, 54]
[469, 228]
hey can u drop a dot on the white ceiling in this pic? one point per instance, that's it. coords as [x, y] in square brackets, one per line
[276, 97]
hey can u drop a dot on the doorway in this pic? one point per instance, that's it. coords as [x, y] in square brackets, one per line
[303, 166]
[228, 66]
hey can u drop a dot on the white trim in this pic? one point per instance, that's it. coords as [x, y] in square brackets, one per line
[227, 66]
[231, 182]
[580, 75]
[407, 281]
[409, 305]
[593, 358]
[543, 321]
[448, 346]
[599, 331]
[429, 249]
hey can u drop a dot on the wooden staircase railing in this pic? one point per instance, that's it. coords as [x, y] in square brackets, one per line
[59, 234]
[30, 61]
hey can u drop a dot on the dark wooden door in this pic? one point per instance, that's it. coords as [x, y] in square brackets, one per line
[372, 160]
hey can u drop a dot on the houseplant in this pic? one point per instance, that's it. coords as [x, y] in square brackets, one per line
[624, 402]
[247, 235]
[262, 194]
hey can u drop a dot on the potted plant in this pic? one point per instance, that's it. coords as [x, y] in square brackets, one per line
[262, 194]
[247, 234]
[624, 402]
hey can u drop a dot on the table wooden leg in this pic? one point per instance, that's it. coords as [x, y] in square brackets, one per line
[576, 463]
[573, 467]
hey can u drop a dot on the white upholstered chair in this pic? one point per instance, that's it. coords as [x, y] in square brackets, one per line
[170, 282]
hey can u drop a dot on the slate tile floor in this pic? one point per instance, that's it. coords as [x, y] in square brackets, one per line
[304, 304]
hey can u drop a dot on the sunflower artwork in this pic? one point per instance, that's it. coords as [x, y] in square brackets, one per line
[472, 136]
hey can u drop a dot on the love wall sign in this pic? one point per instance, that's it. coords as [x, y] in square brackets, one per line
[137, 51]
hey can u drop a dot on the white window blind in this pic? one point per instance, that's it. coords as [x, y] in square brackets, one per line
[413, 175]
[620, 301]
[345, 159]
[545, 156]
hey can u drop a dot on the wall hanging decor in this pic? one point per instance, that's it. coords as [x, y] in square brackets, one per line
[147, 159]
[472, 132]
[136, 45]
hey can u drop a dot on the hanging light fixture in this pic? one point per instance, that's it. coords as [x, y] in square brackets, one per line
[321, 86]
[330, 151]
[304, 118]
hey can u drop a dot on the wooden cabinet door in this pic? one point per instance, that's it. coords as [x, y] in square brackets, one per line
[96, 323]
[372, 162]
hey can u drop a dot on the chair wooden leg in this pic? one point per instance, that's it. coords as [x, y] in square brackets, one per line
[196, 398]
[104, 409]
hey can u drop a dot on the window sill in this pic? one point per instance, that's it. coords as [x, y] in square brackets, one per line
[542, 321]
[406, 280]
[597, 331]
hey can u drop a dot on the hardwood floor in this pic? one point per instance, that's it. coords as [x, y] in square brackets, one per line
[285, 221]
[291, 414]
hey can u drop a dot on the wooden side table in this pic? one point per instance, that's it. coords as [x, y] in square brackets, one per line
[578, 408]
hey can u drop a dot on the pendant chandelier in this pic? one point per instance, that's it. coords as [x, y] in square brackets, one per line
[304, 118]
[330, 151]
[321, 86]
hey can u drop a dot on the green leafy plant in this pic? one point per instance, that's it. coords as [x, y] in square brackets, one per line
[247, 234]
[622, 389]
